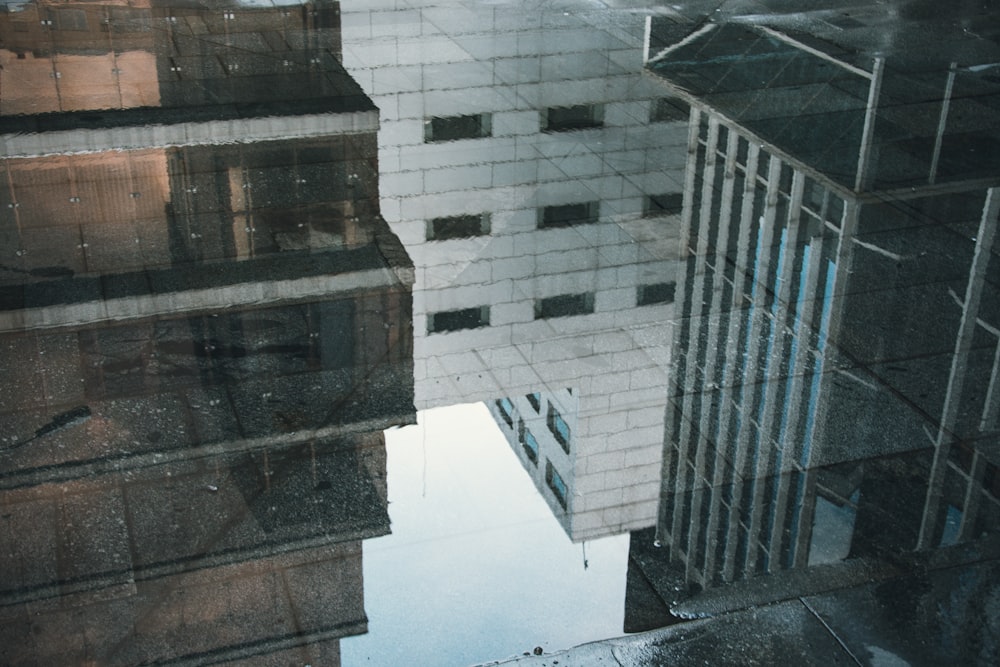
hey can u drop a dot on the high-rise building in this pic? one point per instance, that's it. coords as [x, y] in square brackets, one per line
[205, 326]
[821, 245]
[534, 174]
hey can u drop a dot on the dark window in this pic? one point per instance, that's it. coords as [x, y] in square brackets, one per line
[568, 215]
[527, 441]
[813, 195]
[742, 151]
[454, 320]
[71, 19]
[785, 179]
[536, 400]
[703, 128]
[764, 166]
[669, 108]
[666, 204]
[835, 210]
[458, 227]
[656, 293]
[722, 142]
[506, 409]
[564, 305]
[127, 19]
[559, 427]
[556, 483]
[458, 127]
[578, 117]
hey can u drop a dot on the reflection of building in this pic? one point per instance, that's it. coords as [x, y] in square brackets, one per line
[184, 198]
[542, 428]
[70, 56]
[235, 555]
[201, 342]
[75, 56]
[520, 165]
[824, 233]
[964, 486]
[184, 207]
[172, 76]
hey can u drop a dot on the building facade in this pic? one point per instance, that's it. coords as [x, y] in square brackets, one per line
[205, 326]
[535, 176]
[800, 315]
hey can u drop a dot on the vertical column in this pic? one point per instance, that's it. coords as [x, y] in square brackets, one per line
[748, 464]
[862, 177]
[942, 123]
[711, 427]
[805, 361]
[691, 462]
[843, 256]
[803, 522]
[960, 360]
[778, 396]
[734, 354]
[673, 464]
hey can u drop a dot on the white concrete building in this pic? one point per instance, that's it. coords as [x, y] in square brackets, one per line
[519, 156]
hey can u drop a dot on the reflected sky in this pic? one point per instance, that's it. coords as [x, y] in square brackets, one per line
[434, 332]
[489, 571]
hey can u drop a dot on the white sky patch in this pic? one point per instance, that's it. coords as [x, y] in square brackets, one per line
[477, 568]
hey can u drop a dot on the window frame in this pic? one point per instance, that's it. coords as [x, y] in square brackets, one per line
[559, 489]
[590, 116]
[524, 434]
[437, 228]
[484, 128]
[558, 216]
[563, 306]
[481, 314]
[553, 418]
[649, 294]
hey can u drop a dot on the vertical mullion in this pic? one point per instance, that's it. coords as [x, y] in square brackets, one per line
[956, 379]
[758, 322]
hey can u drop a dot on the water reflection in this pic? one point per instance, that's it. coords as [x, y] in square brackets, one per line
[520, 163]
[211, 558]
[81, 77]
[728, 287]
[202, 343]
[833, 396]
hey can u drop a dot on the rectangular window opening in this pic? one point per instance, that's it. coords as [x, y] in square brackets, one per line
[528, 442]
[559, 427]
[665, 204]
[569, 215]
[458, 227]
[453, 128]
[576, 117]
[703, 128]
[648, 295]
[71, 19]
[742, 152]
[556, 483]
[456, 320]
[506, 409]
[564, 305]
[785, 179]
